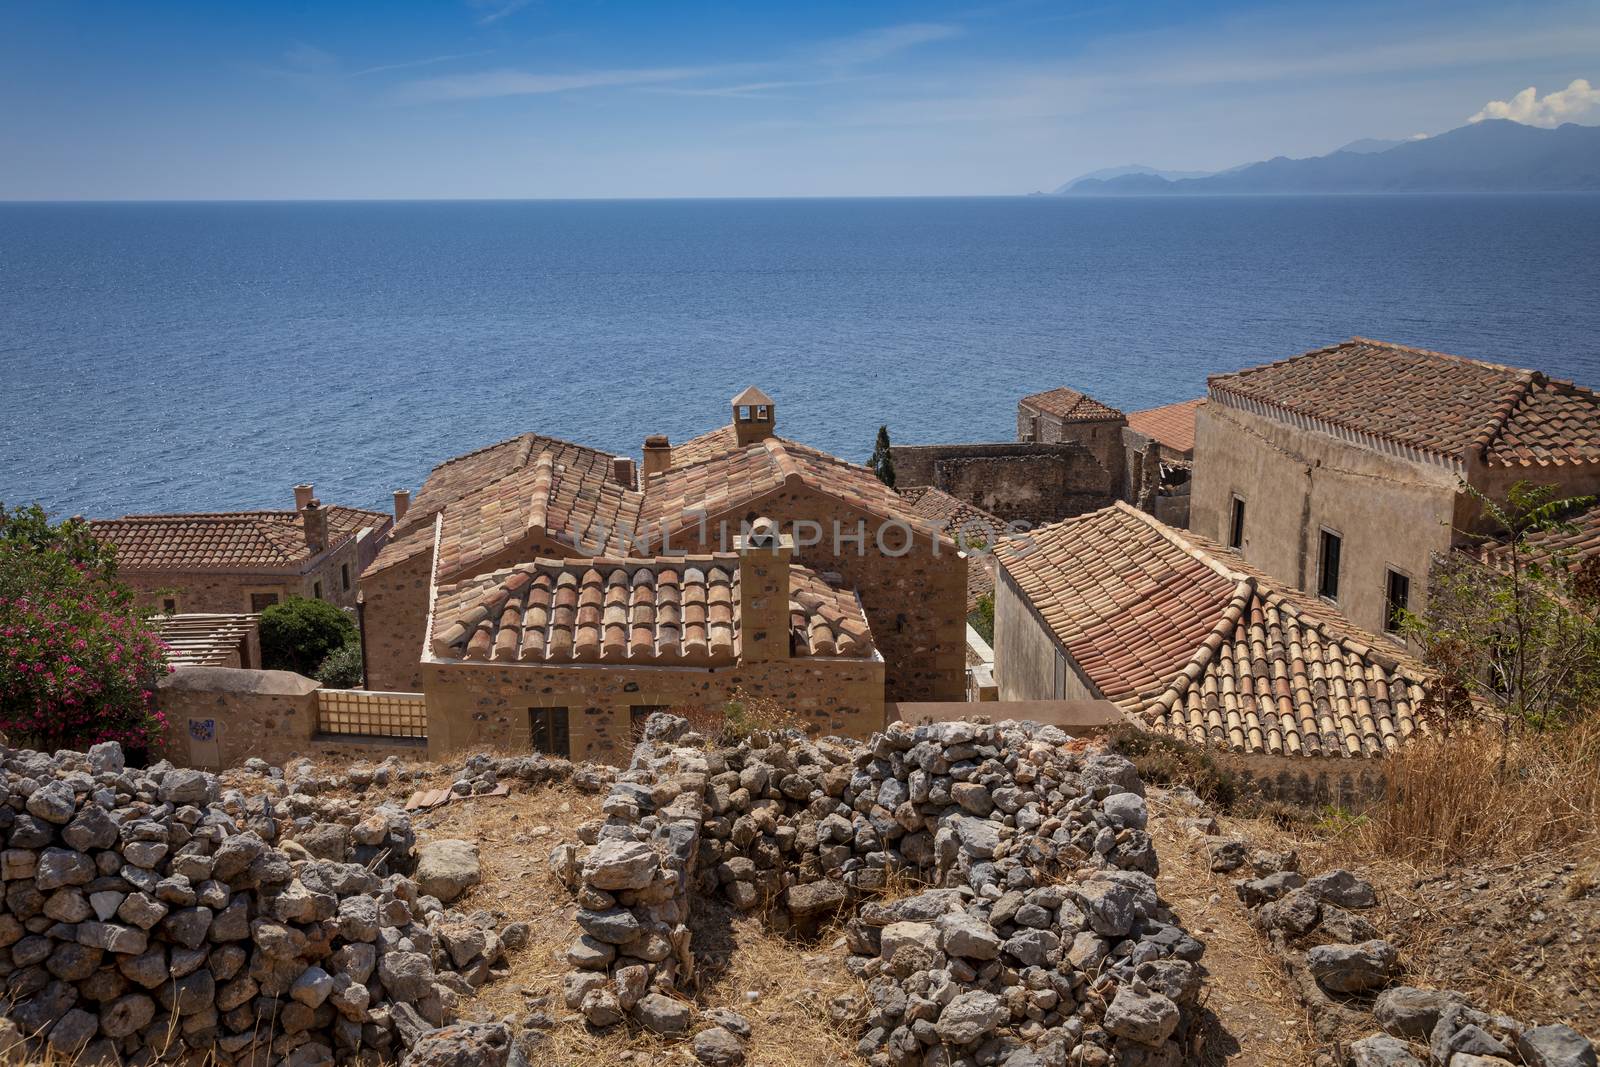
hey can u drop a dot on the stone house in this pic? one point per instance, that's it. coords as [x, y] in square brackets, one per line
[1062, 415]
[239, 562]
[570, 656]
[535, 497]
[1159, 443]
[1346, 470]
[1189, 641]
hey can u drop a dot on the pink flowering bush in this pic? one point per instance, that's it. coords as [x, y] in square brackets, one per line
[78, 664]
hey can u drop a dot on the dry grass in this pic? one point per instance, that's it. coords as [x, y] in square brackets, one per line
[1449, 802]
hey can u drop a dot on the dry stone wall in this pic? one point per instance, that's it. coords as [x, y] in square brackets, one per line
[152, 914]
[1038, 937]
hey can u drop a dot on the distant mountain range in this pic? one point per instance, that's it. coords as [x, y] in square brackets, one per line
[1498, 156]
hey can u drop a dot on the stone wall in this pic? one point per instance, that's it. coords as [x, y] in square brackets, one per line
[482, 705]
[1103, 438]
[1040, 935]
[915, 600]
[394, 614]
[152, 916]
[1032, 483]
[219, 717]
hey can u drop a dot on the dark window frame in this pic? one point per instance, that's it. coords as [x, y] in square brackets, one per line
[169, 605]
[268, 603]
[344, 576]
[1328, 578]
[549, 731]
[1236, 518]
[1392, 608]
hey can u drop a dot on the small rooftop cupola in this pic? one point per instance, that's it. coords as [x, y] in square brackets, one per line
[754, 415]
[302, 495]
[657, 455]
[764, 557]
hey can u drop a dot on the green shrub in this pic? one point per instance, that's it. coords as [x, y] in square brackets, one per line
[982, 618]
[342, 668]
[299, 634]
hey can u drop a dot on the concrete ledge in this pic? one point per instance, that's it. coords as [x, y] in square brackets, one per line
[1080, 718]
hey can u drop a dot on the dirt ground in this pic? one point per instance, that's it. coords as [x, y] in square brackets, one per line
[1253, 1017]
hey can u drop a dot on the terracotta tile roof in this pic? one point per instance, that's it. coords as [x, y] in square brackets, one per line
[474, 473]
[1171, 425]
[227, 540]
[1441, 404]
[1184, 637]
[1071, 405]
[954, 516]
[681, 610]
[674, 500]
[545, 500]
[1576, 544]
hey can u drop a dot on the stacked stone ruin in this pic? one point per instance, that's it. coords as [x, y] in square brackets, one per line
[1347, 974]
[996, 884]
[147, 913]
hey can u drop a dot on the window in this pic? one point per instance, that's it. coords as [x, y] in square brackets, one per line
[761, 413]
[548, 727]
[316, 590]
[1328, 566]
[639, 713]
[344, 576]
[1236, 524]
[1396, 600]
[744, 413]
[169, 606]
[260, 602]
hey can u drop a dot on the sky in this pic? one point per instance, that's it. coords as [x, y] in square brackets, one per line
[608, 98]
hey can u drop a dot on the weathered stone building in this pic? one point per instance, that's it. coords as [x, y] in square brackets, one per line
[1189, 641]
[1343, 471]
[571, 656]
[1159, 444]
[538, 498]
[1059, 416]
[243, 561]
[1014, 481]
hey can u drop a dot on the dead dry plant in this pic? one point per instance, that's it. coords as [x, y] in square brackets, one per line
[1447, 800]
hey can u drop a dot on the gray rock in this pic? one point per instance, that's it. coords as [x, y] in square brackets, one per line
[462, 1045]
[1105, 774]
[815, 898]
[1381, 1050]
[1140, 1016]
[1353, 968]
[1342, 888]
[187, 786]
[1555, 1046]
[718, 1047]
[614, 926]
[60, 866]
[961, 934]
[54, 802]
[1109, 907]
[1406, 1011]
[447, 868]
[1126, 810]
[662, 1014]
[107, 758]
[969, 1017]
[619, 865]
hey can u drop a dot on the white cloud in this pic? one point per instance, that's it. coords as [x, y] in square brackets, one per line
[428, 62]
[495, 10]
[1551, 109]
[494, 83]
[880, 43]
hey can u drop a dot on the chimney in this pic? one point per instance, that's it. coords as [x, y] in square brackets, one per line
[754, 416]
[402, 503]
[316, 523]
[302, 496]
[624, 472]
[657, 455]
[764, 557]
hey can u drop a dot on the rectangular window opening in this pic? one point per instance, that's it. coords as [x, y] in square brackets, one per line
[260, 602]
[1328, 566]
[1236, 524]
[169, 606]
[548, 727]
[344, 576]
[1396, 600]
[316, 590]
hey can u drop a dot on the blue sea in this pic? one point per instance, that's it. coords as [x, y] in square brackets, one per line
[208, 356]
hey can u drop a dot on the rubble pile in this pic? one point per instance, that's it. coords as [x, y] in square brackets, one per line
[1041, 940]
[1346, 973]
[149, 912]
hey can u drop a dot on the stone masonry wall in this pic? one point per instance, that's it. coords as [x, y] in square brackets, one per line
[1042, 937]
[394, 614]
[229, 592]
[487, 706]
[1032, 483]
